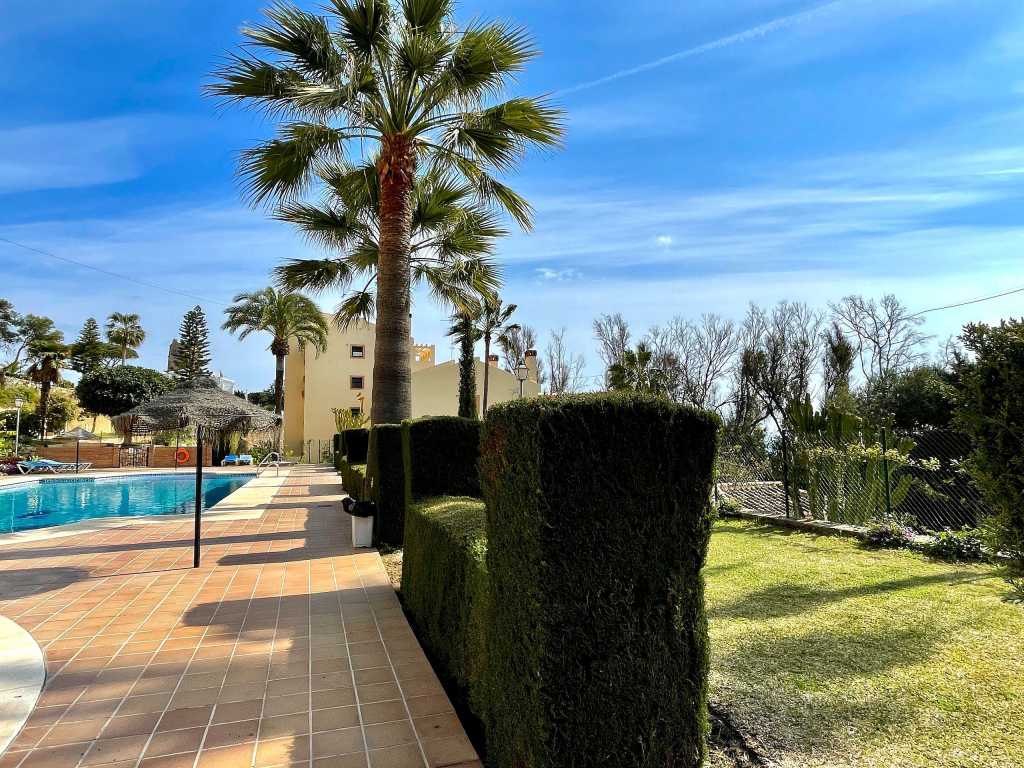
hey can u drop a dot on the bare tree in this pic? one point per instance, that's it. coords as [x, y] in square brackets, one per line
[696, 357]
[803, 336]
[612, 335]
[514, 346]
[887, 335]
[565, 370]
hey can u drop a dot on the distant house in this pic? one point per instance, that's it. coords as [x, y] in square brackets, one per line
[222, 381]
[342, 377]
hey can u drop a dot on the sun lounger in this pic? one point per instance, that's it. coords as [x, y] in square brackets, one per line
[49, 465]
[245, 458]
[229, 459]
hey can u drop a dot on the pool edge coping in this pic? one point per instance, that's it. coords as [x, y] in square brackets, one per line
[22, 675]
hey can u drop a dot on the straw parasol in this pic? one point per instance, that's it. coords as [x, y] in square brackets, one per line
[200, 404]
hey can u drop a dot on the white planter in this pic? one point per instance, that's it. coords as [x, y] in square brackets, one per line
[362, 531]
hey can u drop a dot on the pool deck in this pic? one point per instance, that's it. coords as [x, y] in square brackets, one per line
[287, 647]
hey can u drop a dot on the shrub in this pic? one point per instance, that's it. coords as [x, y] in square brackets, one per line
[889, 534]
[598, 519]
[387, 473]
[965, 545]
[444, 451]
[355, 443]
[445, 588]
[729, 506]
[992, 412]
[353, 479]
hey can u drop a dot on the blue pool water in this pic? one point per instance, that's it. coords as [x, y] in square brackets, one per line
[56, 501]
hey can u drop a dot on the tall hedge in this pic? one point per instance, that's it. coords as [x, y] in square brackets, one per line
[388, 475]
[992, 413]
[444, 451]
[354, 444]
[445, 588]
[598, 520]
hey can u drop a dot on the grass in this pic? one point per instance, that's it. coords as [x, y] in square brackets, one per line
[830, 654]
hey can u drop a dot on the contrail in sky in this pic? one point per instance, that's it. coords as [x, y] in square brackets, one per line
[754, 33]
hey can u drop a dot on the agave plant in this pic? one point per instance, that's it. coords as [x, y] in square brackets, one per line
[408, 89]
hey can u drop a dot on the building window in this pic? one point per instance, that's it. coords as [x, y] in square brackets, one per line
[356, 382]
[357, 350]
[356, 411]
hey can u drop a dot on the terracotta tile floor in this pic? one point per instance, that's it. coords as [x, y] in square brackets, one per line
[284, 648]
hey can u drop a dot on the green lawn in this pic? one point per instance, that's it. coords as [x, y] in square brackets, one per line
[830, 654]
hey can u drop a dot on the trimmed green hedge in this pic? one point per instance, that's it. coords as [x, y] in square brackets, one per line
[444, 451]
[598, 519]
[445, 588]
[388, 475]
[353, 479]
[354, 444]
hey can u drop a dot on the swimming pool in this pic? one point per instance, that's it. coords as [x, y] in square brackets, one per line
[55, 501]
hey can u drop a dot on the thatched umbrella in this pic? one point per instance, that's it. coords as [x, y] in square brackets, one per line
[201, 404]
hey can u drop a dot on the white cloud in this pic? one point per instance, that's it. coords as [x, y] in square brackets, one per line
[557, 275]
[77, 154]
[664, 241]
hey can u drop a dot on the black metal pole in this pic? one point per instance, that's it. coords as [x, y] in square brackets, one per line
[199, 495]
[78, 455]
[177, 445]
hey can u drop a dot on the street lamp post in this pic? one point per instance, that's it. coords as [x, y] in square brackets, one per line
[18, 402]
[522, 373]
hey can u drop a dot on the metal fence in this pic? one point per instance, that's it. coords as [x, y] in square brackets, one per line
[918, 478]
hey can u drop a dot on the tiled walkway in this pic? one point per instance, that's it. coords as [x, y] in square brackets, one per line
[284, 648]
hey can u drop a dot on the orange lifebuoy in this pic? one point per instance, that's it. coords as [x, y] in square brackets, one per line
[181, 456]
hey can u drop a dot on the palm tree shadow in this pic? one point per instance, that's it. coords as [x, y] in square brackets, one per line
[791, 599]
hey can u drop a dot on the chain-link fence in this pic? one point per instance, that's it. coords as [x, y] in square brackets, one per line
[918, 478]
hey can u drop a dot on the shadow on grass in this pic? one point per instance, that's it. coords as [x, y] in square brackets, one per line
[823, 690]
[791, 599]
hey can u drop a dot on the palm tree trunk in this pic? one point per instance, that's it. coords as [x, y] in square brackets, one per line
[487, 370]
[44, 407]
[279, 397]
[392, 371]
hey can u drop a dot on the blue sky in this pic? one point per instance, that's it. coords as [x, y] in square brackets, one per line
[717, 153]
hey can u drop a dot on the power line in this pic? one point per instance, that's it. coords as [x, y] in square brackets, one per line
[118, 275]
[969, 302]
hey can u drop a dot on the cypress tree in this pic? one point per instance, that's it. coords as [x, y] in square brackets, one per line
[89, 350]
[193, 354]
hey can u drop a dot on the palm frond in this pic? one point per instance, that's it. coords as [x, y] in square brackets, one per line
[360, 305]
[245, 79]
[364, 24]
[327, 226]
[305, 39]
[315, 275]
[284, 166]
[426, 14]
[485, 56]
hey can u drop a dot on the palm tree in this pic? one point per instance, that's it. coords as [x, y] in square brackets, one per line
[285, 316]
[465, 333]
[126, 332]
[409, 88]
[451, 243]
[637, 372]
[492, 323]
[47, 358]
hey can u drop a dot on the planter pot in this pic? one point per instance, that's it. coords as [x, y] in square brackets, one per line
[362, 531]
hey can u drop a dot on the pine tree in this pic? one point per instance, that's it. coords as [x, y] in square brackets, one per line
[193, 354]
[89, 351]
